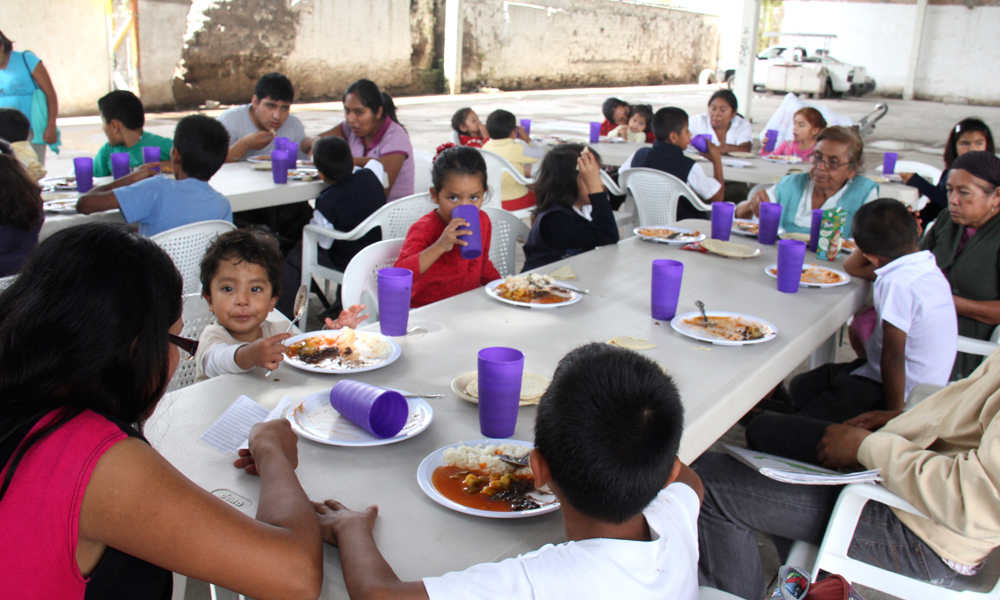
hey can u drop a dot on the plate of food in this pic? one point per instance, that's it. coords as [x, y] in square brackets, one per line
[788, 160]
[740, 154]
[340, 351]
[848, 245]
[304, 174]
[729, 249]
[467, 477]
[314, 418]
[749, 228]
[58, 183]
[61, 205]
[669, 235]
[816, 276]
[533, 386]
[724, 328]
[533, 290]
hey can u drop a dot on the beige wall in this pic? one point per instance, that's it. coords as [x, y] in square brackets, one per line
[70, 38]
[161, 37]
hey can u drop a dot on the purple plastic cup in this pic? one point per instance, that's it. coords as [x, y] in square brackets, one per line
[151, 154]
[119, 164]
[770, 219]
[83, 168]
[470, 213]
[395, 286]
[722, 220]
[666, 288]
[817, 223]
[500, 371]
[595, 132]
[526, 125]
[791, 256]
[279, 166]
[378, 411]
[283, 143]
[700, 142]
[772, 140]
[889, 163]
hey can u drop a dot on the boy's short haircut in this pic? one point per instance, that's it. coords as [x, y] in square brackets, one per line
[500, 124]
[333, 158]
[252, 245]
[669, 120]
[124, 106]
[644, 110]
[203, 144]
[458, 119]
[14, 125]
[609, 427]
[884, 227]
[610, 106]
[274, 86]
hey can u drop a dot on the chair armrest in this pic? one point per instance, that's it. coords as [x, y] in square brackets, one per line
[350, 236]
[879, 493]
[974, 346]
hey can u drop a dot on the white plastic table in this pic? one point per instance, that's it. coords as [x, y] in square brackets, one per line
[718, 384]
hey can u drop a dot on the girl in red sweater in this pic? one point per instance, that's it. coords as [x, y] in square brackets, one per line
[431, 249]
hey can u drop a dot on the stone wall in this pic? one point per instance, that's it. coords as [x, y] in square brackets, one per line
[576, 43]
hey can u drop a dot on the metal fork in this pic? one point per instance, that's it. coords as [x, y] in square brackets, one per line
[524, 461]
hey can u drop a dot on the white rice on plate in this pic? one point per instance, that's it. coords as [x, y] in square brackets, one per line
[483, 459]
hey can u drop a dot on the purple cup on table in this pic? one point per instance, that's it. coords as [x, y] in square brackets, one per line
[283, 143]
[772, 140]
[395, 286]
[700, 142]
[470, 213]
[119, 164]
[722, 220]
[666, 288]
[526, 125]
[83, 168]
[889, 163]
[770, 219]
[279, 166]
[791, 256]
[378, 411]
[500, 371]
[817, 223]
[151, 154]
[595, 132]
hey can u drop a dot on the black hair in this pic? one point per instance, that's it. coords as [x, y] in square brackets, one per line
[274, 86]
[203, 144]
[373, 99]
[884, 227]
[964, 126]
[500, 124]
[20, 198]
[5, 148]
[609, 427]
[124, 106]
[610, 106]
[333, 158]
[644, 110]
[457, 160]
[667, 120]
[252, 245]
[6, 45]
[14, 125]
[103, 347]
[728, 96]
[458, 119]
[556, 183]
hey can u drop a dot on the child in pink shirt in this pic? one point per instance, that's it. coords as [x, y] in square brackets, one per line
[806, 125]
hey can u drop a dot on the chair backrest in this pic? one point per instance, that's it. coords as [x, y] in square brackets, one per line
[610, 184]
[760, 187]
[496, 165]
[360, 284]
[656, 194]
[396, 217]
[196, 318]
[931, 173]
[186, 245]
[453, 138]
[507, 230]
[423, 162]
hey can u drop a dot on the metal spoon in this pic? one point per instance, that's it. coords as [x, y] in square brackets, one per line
[524, 461]
[701, 307]
[301, 299]
[431, 396]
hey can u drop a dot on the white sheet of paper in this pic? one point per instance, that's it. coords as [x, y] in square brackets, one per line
[276, 413]
[233, 426]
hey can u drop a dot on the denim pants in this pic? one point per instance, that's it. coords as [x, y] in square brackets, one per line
[739, 501]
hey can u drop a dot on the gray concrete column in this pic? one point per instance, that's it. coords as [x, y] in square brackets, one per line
[918, 34]
[454, 26]
[743, 84]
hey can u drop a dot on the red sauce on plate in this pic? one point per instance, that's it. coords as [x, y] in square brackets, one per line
[454, 490]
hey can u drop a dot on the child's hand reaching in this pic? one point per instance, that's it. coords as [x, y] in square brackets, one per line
[266, 352]
[350, 317]
[334, 517]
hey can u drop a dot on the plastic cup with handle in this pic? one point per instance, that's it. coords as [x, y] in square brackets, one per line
[150, 155]
[119, 164]
[666, 288]
[395, 287]
[770, 220]
[378, 411]
[470, 213]
[722, 220]
[791, 256]
[500, 372]
[279, 166]
[889, 163]
[83, 168]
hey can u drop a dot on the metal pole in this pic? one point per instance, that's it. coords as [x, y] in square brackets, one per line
[918, 33]
[454, 26]
[743, 84]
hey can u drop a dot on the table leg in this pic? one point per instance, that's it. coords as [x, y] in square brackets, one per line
[826, 352]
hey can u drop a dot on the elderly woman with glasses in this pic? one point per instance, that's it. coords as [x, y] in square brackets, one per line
[832, 181]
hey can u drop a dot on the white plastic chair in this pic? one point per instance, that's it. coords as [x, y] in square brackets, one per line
[395, 219]
[508, 230]
[360, 284]
[980, 347]
[760, 187]
[496, 166]
[423, 162]
[625, 215]
[186, 245]
[196, 318]
[453, 138]
[931, 173]
[656, 194]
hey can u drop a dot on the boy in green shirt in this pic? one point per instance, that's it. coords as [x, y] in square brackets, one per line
[124, 117]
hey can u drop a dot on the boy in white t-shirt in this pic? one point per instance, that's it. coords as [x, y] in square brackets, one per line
[917, 332]
[606, 438]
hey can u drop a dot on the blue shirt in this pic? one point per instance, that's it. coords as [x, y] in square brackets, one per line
[16, 83]
[161, 203]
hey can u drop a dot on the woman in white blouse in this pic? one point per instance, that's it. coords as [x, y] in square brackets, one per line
[730, 131]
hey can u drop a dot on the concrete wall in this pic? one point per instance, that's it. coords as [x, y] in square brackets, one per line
[570, 43]
[162, 24]
[959, 54]
[71, 39]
